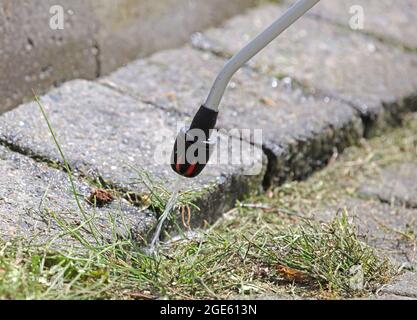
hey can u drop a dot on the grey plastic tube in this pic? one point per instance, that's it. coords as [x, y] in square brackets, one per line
[254, 47]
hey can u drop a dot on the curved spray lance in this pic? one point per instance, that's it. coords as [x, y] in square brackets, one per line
[198, 134]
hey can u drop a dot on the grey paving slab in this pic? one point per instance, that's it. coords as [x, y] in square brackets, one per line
[405, 286]
[31, 193]
[396, 184]
[374, 77]
[35, 56]
[300, 131]
[97, 37]
[111, 136]
[388, 19]
[127, 30]
[390, 229]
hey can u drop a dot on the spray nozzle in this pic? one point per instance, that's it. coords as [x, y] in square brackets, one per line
[193, 148]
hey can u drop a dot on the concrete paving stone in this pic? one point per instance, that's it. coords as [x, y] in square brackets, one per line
[392, 20]
[396, 184]
[98, 37]
[379, 80]
[300, 131]
[405, 286]
[110, 136]
[30, 192]
[131, 29]
[390, 229]
[35, 56]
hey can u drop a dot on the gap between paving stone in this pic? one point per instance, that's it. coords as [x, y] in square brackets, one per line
[107, 135]
[301, 132]
[379, 80]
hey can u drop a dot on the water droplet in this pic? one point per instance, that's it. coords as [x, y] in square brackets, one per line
[371, 47]
[288, 83]
[287, 80]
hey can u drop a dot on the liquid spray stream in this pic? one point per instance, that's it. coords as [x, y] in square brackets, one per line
[170, 205]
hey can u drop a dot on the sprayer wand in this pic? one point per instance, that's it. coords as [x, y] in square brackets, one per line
[187, 163]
